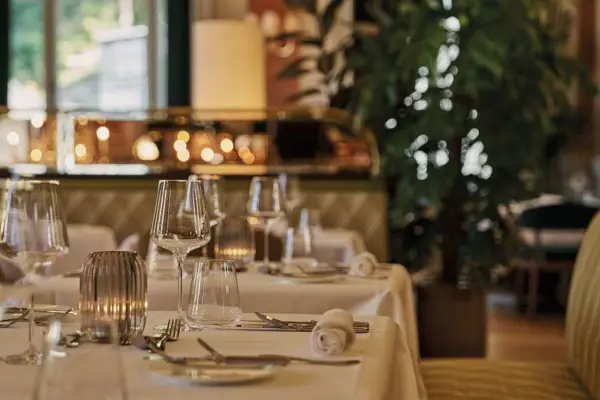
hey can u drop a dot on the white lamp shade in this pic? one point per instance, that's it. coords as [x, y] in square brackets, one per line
[228, 69]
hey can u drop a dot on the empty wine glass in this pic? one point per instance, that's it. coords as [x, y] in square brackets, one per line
[290, 186]
[310, 219]
[297, 245]
[214, 295]
[211, 184]
[265, 206]
[33, 232]
[93, 371]
[180, 224]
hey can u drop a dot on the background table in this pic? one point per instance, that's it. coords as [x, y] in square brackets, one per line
[386, 371]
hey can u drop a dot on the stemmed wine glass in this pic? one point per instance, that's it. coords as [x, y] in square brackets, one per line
[290, 187]
[180, 223]
[33, 232]
[214, 200]
[265, 206]
[211, 184]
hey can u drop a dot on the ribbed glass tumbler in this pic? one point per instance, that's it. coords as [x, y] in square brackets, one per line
[114, 287]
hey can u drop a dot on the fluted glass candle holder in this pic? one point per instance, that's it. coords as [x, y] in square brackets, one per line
[114, 287]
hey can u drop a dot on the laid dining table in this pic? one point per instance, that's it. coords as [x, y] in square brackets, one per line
[389, 293]
[385, 371]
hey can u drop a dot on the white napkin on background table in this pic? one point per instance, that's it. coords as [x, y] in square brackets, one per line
[334, 333]
[363, 264]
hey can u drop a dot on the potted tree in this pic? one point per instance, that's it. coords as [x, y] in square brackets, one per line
[464, 97]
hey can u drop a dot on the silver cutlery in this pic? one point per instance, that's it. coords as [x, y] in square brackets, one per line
[220, 358]
[274, 321]
[71, 340]
[45, 320]
[19, 310]
[5, 323]
[359, 327]
[171, 334]
[210, 363]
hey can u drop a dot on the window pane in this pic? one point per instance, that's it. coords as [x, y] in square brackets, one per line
[26, 88]
[102, 54]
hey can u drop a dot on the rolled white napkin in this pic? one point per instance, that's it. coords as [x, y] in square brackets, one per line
[363, 264]
[334, 333]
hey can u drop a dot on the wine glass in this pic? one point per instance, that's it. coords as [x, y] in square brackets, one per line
[180, 223]
[94, 371]
[33, 231]
[211, 184]
[265, 206]
[290, 186]
[214, 295]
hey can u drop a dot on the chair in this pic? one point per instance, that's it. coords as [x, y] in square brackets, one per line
[578, 378]
[567, 220]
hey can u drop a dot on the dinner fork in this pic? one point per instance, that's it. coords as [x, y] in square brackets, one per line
[173, 330]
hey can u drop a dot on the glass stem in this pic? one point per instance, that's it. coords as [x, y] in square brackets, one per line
[266, 260]
[31, 319]
[180, 262]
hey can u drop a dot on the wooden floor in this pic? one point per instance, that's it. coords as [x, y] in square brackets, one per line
[515, 337]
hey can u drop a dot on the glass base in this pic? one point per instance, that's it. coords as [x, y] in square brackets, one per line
[30, 357]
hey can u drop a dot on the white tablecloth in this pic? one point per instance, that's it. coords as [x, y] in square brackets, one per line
[330, 244]
[83, 240]
[392, 298]
[386, 371]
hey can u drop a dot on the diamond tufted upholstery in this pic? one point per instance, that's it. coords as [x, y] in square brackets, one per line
[127, 209]
[579, 378]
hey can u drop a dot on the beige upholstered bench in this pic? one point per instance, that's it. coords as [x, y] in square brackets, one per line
[578, 378]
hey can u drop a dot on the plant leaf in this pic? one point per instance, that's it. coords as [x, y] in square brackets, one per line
[302, 94]
[311, 41]
[297, 35]
[294, 69]
[307, 5]
[379, 14]
[329, 15]
[326, 62]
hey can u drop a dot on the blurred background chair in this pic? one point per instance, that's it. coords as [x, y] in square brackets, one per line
[552, 234]
[577, 378]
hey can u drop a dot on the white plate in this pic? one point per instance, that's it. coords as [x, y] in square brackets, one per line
[213, 375]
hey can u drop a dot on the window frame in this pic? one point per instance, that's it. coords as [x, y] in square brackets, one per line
[4, 50]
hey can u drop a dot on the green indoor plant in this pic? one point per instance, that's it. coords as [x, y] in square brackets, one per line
[464, 97]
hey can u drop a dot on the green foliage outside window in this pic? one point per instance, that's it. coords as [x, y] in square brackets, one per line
[77, 22]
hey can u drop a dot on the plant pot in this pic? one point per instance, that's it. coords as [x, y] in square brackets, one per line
[452, 322]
